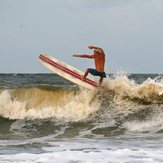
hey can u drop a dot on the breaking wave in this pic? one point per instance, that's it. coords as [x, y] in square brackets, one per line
[122, 105]
[45, 102]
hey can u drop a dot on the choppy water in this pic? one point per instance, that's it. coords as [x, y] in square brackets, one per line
[44, 118]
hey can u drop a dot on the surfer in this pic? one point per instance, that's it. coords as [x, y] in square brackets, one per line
[99, 59]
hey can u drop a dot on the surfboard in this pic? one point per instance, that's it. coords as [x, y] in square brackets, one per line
[66, 71]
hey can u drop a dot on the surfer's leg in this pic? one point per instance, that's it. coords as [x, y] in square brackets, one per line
[100, 81]
[85, 75]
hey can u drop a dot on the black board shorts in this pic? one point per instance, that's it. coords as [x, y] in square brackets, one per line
[96, 73]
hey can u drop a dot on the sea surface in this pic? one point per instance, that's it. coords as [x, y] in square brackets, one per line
[47, 119]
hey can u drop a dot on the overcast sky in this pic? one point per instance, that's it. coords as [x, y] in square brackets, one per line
[129, 31]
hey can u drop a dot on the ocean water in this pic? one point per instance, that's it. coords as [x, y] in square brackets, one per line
[46, 119]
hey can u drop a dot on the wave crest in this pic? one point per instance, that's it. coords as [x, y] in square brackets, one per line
[44, 103]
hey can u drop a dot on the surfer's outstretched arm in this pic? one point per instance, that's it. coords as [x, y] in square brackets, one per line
[83, 56]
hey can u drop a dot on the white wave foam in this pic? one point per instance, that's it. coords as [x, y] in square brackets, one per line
[150, 90]
[9, 108]
[144, 126]
[89, 155]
